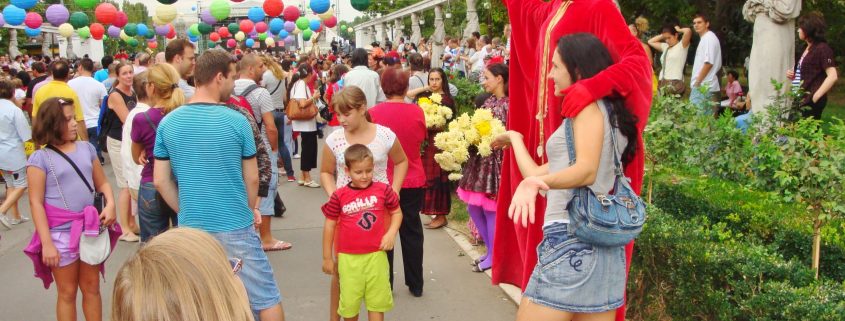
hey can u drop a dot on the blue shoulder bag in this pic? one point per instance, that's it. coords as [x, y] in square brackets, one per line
[607, 220]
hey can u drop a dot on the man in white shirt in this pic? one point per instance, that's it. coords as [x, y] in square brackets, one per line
[180, 54]
[362, 77]
[90, 93]
[708, 61]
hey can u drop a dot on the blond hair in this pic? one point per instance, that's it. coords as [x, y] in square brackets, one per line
[274, 67]
[181, 275]
[166, 92]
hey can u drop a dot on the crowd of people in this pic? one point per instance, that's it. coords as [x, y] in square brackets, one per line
[191, 138]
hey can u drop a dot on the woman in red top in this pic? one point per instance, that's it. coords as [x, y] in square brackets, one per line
[407, 121]
[335, 75]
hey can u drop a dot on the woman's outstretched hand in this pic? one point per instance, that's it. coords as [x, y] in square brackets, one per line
[524, 200]
[505, 139]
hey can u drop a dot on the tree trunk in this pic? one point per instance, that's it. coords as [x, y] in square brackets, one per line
[817, 243]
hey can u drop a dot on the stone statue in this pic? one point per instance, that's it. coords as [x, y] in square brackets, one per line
[773, 46]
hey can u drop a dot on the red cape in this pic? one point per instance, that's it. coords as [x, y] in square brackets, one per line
[536, 26]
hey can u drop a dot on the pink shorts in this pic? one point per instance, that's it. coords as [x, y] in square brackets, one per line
[477, 199]
[61, 239]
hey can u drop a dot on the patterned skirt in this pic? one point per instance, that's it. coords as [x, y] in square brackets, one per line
[438, 192]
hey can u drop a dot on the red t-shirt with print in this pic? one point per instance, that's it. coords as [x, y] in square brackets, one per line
[361, 214]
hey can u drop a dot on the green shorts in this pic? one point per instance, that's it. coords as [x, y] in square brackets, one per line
[364, 277]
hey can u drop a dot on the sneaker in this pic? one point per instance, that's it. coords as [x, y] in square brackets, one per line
[291, 178]
[23, 219]
[311, 184]
[130, 238]
[296, 156]
[5, 221]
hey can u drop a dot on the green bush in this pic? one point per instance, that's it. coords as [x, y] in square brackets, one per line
[467, 91]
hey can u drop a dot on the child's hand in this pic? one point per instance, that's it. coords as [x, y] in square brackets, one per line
[328, 266]
[387, 242]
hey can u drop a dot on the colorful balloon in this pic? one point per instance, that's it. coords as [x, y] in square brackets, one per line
[132, 42]
[114, 32]
[220, 9]
[289, 40]
[249, 43]
[283, 34]
[143, 30]
[97, 31]
[256, 14]
[303, 23]
[32, 32]
[171, 34]
[262, 36]
[350, 30]
[291, 13]
[240, 36]
[273, 8]
[25, 4]
[261, 26]
[214, 36]
[131, 29]
[307, 34]
[276, 25]
[78, 19]
[290, 26]
[205, 16]
[152, 44]
[234, 28]
[205, 28]
[193, 38]
[360, 5]
[2, 21]
[86, 4]
[57, 14]
[231, 43]
[162, 30]
[246, 26]
[166, 13]
[212, 44]
[66, 30]
[83, 32]
[120, 19]
[326, 15]
[320, 6]
[330, 22]
[14, 15]
[270, 42]
[194, 30]
[315, 24]
[105, 13]
[224, 32]
[33, 20]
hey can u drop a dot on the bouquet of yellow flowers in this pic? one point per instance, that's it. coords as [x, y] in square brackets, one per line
[436, 115]
[477, 130]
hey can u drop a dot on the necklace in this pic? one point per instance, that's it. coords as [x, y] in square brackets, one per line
[543, 83]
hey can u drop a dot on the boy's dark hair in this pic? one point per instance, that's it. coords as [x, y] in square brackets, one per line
[7, 89]
[702, 16]
[60, 69]
[210, 63]
[39, 66]
[357, 153]
[87, 64]
[106, 61]
[49, 126]
[360, 57]
[177, 47]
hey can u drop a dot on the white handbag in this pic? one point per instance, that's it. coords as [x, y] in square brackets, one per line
[93, 250]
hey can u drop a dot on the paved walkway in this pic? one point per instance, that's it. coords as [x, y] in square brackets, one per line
[452, 291]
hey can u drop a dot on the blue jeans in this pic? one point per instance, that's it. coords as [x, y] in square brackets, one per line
[150, 216]
[267, 204]
[92, 138]
[285, 139]
[256, 274]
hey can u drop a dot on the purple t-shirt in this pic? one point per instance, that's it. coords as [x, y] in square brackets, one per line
[144, 134]
[74, 190]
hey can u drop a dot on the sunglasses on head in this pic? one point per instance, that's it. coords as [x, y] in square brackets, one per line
[237, 264]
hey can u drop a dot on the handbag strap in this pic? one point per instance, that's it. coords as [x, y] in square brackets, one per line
[150, 121]
[53, 171]
[72, 164]
[278, 84]
[570, 145]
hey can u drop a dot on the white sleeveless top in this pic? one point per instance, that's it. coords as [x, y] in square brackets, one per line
[558, 199]
[380, 147]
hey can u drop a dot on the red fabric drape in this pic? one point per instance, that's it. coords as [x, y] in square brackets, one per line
[631, 76]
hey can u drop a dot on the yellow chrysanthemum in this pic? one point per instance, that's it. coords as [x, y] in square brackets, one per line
[437, 98]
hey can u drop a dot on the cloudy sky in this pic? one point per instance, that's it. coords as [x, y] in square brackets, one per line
[184, 6]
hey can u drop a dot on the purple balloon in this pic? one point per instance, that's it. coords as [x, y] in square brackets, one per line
[253, 34]
[2, 21]
[162, 30]
[289, 40]
[57, 14]
[114, 32]
[207, 17]
[290, 26]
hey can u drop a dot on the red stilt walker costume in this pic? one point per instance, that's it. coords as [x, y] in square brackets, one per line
[536, 26]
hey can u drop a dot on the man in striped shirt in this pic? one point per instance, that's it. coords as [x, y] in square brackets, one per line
[210, 150]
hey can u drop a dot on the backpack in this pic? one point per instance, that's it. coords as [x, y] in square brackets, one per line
[103, 123]
[240, 100]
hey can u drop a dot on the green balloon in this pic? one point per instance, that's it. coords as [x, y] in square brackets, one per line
[302, 23]
[342, 27]
[306, 35]
[130, 29]
[132, 42]
[84, 32]
[220, 9]
[194, 30]
[205, 28]
[234, 28]
[212, 44]
[86, 4]
[262, 36]
[360, 5]
[78, 19]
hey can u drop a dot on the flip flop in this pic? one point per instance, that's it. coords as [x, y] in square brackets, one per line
[279, 246]
[434, 227]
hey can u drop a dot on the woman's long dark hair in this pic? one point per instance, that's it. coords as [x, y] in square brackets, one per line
[584, 56]
[445, 83]
[302, 72]
[500, 70]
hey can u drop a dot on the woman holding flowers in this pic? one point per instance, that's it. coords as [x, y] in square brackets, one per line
[480, 175]
[438, 194]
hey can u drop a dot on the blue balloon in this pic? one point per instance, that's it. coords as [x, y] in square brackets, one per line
[249, 43]
[315, 24]
[32, 32]
[24, 4]
[14, 15]
[283, 34]
[256, 14]
[143, 30]
[320, 6]
[193, 8]
[276, 25]
[192, 38]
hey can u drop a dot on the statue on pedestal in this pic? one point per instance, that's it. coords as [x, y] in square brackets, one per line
[773, 46]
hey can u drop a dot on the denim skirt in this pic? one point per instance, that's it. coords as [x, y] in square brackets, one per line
[574, 276]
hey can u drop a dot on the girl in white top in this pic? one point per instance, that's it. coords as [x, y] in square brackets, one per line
[131, 168]
[307, 128]
[350, 104]
[674, 51]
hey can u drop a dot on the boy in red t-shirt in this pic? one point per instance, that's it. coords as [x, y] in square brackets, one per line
[359, 211]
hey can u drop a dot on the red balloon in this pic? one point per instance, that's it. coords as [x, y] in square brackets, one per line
[152, 44]
[172, 33]
[330, 22]
[97, 31]
[120, 20]
[105, 13]
[273, 8]
[33, 20]
[260, 27]
[291, 13]
[247, 26]
[214, 37]
[224, 32]
[231, 43]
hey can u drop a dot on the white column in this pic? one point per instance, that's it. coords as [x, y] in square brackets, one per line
[380, 35]
[397, 30]
[13, 43]
[472, 19]
[416, 35]
[439, 35]
[46, 39]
